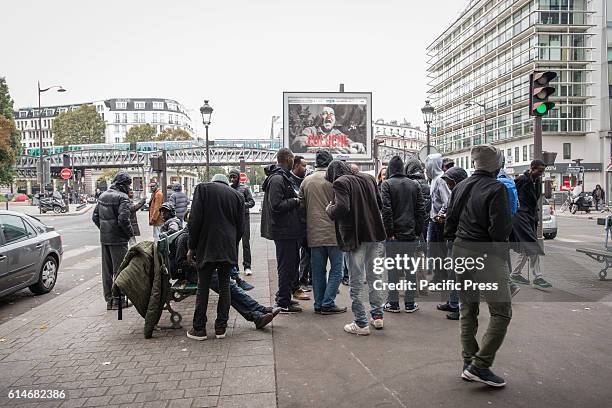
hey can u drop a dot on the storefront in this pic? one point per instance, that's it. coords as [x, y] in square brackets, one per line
[563, 179]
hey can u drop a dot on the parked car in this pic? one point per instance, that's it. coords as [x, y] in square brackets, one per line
[21, 198]
[549, 221]
[30, 254]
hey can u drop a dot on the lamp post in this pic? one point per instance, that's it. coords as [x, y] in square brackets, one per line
[428, 113]
[40, 136]
[206, 110]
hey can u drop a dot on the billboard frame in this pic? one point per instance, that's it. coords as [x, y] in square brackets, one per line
[367, 157]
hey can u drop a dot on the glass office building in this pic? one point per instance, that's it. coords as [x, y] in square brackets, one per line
[478, 77]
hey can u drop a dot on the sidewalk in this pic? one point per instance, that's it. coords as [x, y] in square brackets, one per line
[72, 343]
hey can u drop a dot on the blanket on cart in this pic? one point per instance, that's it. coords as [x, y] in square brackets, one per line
[141, 279]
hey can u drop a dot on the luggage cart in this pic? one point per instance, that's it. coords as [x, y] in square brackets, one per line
[603, 256]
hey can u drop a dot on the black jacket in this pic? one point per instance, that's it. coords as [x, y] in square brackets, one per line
[280, 217]
[403, 210]
[527, 194]
[414, 171]
[180, 202]
[249, 202]
[356, 211]
[112, 216]
[479, 210]
[216, 223]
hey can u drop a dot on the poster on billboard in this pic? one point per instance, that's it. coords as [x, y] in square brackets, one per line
[340, 122]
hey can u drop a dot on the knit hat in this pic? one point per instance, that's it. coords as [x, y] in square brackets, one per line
[234, 172]
[323, 158]
[487, 158]
[222, 178]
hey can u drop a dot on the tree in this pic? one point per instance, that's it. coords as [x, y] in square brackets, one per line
[10, 144]
[80, 126]
[140, 133]
[174, 134]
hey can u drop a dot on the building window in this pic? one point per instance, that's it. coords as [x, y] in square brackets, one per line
[116, 128]
[162, 118]
[509, 153]
[154, 117]
[135, 118]
[139, 105]
[516, 153]
[525, 153]
[23, 114]
[120, 105]
[116, 140]
[158, 105]
[567, 151]
[124, 117]
[117, 118]
[142, 117]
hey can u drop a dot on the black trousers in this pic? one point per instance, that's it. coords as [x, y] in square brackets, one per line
[112, 256]
[248, 307]
[205, 275]
[246, 243]
[288, 266]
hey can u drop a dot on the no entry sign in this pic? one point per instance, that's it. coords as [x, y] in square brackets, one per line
[243, 178]
[66, 173]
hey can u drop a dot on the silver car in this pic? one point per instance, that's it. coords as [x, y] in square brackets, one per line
[30, 254]
[549, 221]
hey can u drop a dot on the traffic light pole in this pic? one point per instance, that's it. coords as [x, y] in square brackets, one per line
[537, 154]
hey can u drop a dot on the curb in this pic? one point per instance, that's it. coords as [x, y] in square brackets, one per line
[69, 214]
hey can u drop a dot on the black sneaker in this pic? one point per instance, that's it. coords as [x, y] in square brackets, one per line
[466, 364]
[294, 302]
[220, 332]
[197, 334]
[411, 308]
[483, 375]
[317, 310]
[445, 307]
[263, 320]
[345, 281]
[392, 307]
[332, 310]
[541, 283]
[453, 316]
[290, 309]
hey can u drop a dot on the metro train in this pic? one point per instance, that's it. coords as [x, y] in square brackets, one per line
[274, 144]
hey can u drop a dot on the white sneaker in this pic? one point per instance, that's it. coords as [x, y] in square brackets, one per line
[377, 323]
[354, 329]
[248, 272]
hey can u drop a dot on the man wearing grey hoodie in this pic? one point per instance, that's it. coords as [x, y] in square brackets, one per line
[440, 195]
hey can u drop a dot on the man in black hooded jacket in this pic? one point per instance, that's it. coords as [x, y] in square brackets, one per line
[112, 216]
[280, 222]
[403, 214]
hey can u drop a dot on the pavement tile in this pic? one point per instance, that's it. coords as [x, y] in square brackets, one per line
[180, 403]
[97, 401]
[249, 361]
[251, 379]
[263, 400]
[94, 392]
[73, 403]
[122, 398]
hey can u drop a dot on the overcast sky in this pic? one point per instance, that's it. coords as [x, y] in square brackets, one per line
[239, 54]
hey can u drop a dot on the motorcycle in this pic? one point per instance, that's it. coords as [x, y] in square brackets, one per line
[581, 202]
[53, 204]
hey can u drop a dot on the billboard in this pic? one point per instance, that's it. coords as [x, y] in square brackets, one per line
[340, 122]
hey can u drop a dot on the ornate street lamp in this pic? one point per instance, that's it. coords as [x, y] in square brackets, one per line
[428, 114]
[206, 110]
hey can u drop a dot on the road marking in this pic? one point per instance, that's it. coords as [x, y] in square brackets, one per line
[78, 251]
[567, 240]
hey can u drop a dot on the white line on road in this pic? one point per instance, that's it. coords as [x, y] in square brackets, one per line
[566, 240]
[78, 251]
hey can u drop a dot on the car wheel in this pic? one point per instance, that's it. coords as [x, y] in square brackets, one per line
[64, 210]
[46, 278]
[57, 209]
[552, 235]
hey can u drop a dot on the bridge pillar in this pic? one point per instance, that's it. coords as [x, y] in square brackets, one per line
[28, 187]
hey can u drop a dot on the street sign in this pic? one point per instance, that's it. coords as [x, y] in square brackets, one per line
[575, 169]
[244, 178]
[66, 173]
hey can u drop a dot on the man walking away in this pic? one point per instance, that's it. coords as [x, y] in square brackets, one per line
[360, 232]
[155, 218]
[525, 226]
[403, 213]
[280, 222]
[599, 196]
[315, 194]
[180, 201]
[112, 216]
[440, 194]
[249, 202]
[479, 222]
[215, 228]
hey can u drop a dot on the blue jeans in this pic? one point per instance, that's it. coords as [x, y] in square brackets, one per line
[325, 289]
[235, 273]
[401, 248]
[360, 265]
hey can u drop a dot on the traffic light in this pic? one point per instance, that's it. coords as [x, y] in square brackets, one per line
[539, 92]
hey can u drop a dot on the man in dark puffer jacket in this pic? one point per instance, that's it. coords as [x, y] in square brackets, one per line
[180, 201]
[112, 217]
[414, 170]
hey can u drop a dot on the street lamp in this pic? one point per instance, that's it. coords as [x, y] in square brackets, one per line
[206, 110]
[40, 136]
[484, 109]
[428, 113]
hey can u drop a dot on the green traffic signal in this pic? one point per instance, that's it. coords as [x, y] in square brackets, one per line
[542, 109]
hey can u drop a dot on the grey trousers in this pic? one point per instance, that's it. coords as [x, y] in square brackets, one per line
[112, 256]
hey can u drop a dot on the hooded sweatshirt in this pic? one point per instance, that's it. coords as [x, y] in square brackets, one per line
[280, 217]
[440, 194]
[456, 174]
[503, 177]
[414, 171]
[249, 202]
